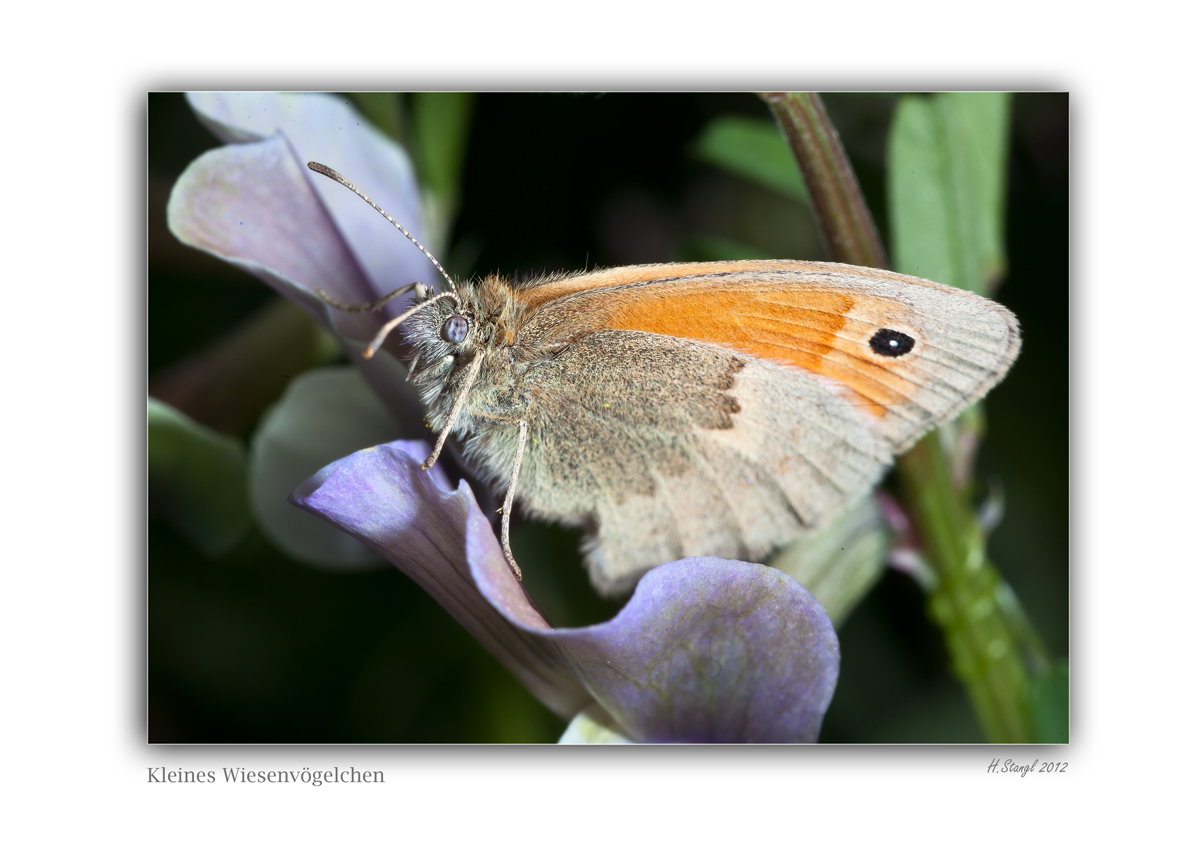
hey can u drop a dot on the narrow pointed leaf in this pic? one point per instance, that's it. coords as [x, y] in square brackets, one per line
[752, 149]
[947, 163]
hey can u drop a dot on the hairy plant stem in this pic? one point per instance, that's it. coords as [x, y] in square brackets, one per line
[967, 601]
[843, 217]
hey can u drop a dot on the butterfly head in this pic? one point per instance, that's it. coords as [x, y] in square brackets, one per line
[442, 332]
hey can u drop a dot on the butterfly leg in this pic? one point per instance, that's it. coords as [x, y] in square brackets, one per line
[523, 429]
[506, 515]
[422, 292]
[416, 286]
[472, 374]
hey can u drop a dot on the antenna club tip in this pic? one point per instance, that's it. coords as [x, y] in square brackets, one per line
[368, 354]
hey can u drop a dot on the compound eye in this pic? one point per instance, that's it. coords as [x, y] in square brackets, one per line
[454, 329]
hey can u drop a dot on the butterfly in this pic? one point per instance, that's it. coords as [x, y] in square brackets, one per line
[684, 409]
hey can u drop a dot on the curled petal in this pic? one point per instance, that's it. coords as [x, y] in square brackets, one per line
[252, 205]
[326, 128]
[416, 521]
[706, 650]
[324, 414]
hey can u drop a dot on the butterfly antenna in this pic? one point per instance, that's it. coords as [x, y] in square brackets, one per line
[333, 175]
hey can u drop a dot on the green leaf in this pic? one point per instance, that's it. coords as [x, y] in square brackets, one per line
[441, 123]
[1050, 705]
[384, 109]
[197, 479]
[752, 149]
[947, 157]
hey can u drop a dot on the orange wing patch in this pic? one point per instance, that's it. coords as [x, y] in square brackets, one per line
[811, 330]
[536, 294]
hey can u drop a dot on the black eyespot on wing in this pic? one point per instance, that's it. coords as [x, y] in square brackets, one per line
[454, 329]
[890, 343]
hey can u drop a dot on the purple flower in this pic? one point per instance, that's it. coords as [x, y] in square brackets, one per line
[705, 650]
[256, 205]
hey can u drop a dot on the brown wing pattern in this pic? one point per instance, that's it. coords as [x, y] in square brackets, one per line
[816, 317]
[720, 408]
[704, 452]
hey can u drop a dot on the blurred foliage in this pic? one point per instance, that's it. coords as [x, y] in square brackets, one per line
[250, 646]
[441, 122]
[948, 156]
[385, 110]
[946, 166]
[1051, 706]
[196, 479]
[753, 149]
[841, 562]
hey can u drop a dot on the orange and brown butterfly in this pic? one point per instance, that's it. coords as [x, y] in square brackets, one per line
[688, 409]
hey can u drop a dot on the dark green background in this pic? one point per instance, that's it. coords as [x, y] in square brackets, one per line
[253, 647]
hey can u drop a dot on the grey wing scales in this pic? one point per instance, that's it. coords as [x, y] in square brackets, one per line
[666, 449]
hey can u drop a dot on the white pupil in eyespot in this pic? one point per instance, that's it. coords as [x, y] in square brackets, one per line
[454, 329]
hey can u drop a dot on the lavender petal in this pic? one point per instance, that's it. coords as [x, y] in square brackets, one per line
[414, 519]
[707, 650]
[327, 129]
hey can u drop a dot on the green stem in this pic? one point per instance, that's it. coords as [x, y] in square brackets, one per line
[967, 600]
[984, 650]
